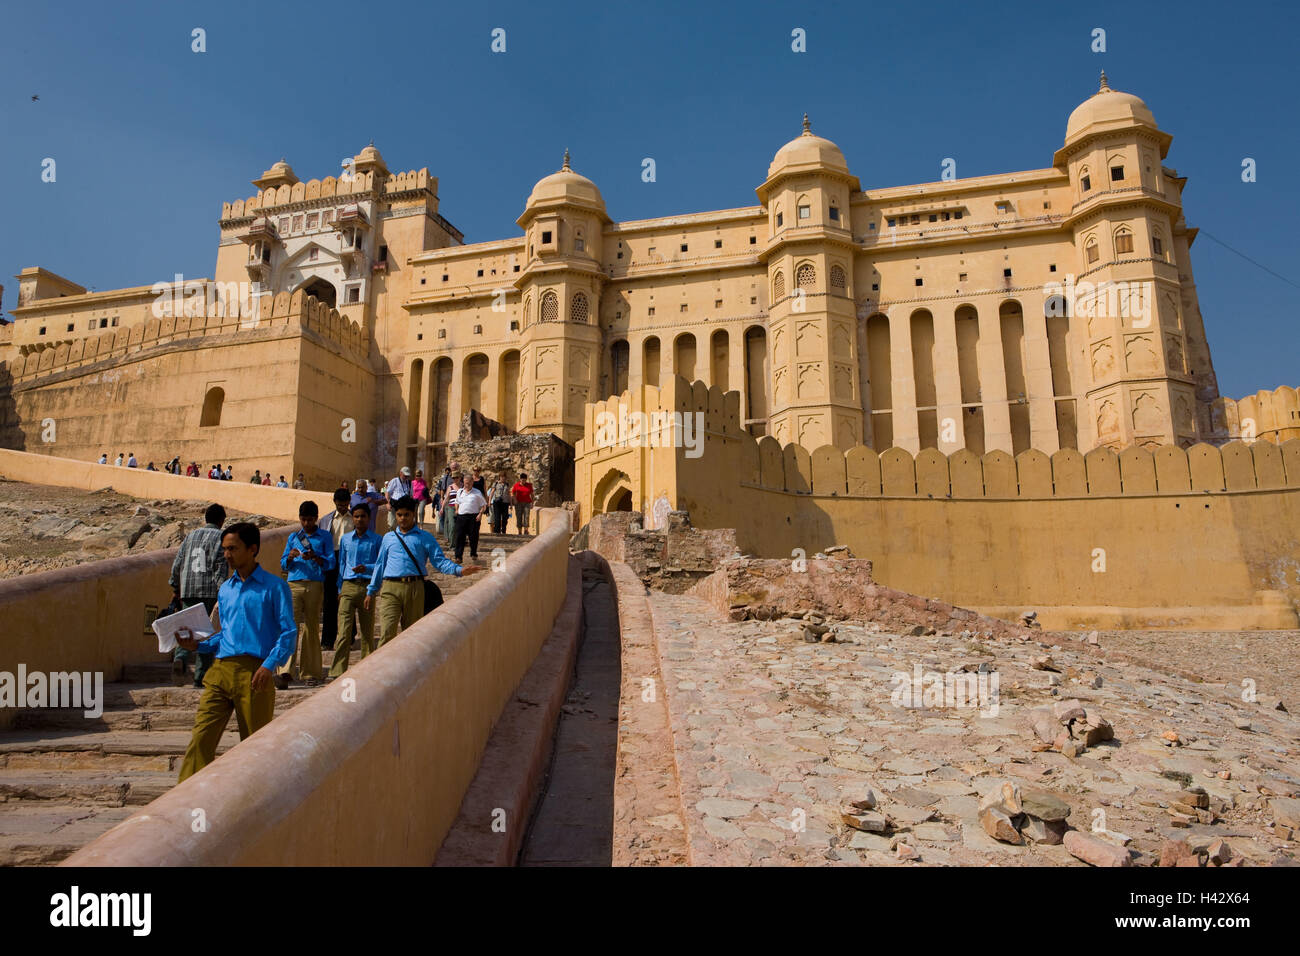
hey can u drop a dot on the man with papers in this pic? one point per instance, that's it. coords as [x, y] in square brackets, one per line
[257, 635]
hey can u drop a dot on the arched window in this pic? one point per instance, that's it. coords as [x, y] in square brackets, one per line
[579, 243]
[1123, 240]
[805, 277]
[578, 311]
[212, 402]
[550, 307]
[838, 280]
[1091, 250]
[778, 286]
[1085, 180]
[528, 311]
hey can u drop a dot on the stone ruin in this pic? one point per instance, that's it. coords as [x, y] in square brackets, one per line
[493, 447]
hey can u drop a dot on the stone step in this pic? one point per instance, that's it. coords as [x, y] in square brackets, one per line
[177, 714]
[130, 788]
[125, 696]
[148, 743]
[42, 833]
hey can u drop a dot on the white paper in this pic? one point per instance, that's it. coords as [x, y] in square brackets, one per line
[195, 617]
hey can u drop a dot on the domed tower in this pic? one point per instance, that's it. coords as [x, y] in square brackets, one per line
[1134, 311]
[811, 322]
[560, 288]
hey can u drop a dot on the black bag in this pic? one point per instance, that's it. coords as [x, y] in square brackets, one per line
[432, 593]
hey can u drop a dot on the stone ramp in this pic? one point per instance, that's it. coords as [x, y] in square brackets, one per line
[65, 779]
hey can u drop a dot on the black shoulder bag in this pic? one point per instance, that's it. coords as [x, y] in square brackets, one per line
[432, 593]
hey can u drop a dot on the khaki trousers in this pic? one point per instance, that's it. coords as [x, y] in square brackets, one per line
[400, 603]
[227, 686]
[352, 604]
[307, 599]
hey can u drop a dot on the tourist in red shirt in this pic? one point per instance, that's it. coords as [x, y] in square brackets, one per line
[522, 492]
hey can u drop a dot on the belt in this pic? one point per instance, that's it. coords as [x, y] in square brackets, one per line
[409, 577]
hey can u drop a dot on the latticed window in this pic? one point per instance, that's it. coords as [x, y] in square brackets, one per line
[778, 286]
[805, 277]
[528, 311]
[578, 309]
[550, 307]
[837, 278]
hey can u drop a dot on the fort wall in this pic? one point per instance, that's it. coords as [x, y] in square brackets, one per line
[235, 394]
[1199, 537]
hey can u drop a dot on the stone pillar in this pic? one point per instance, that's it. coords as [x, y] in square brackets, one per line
[947, 382]
[993, 382]
[457, 392]
[907, 427]
[492, 401]
[1038, 380]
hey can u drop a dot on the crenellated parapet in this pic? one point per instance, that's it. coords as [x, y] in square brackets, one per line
[356, 185]
[1270, 416]
[685, 440]
[283, 311]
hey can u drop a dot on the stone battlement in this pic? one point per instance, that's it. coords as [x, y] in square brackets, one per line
[861, 472]
[296, 310]
[357, 184]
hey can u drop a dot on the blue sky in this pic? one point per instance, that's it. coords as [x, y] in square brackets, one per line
[150, 138]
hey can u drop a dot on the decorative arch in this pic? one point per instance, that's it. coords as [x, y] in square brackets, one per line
[212, 404]
[1122, 238]
[613, 492]
[579, 311]
[1091, 251]
[778, 286]
[550, 307]
[321, 288]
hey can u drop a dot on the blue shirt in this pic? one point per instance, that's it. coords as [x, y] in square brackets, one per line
[393, 561]
[256, 619]
[357, 551]
[302, 569]
[369, 498]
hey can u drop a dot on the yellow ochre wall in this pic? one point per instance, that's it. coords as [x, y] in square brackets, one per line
[1203, 537]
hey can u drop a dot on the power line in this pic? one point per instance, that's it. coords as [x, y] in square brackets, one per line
[1249, 259]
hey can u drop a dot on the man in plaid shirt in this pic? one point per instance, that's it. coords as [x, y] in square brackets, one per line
[197, 574]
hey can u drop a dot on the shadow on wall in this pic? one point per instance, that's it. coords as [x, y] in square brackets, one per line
[11, 435]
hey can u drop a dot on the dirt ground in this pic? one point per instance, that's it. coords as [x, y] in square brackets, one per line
[46, 528]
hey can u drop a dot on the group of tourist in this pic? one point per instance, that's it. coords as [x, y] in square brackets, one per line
[338, 569]
[337, 573]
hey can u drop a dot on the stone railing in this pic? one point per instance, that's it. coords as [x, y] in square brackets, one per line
[398, 740]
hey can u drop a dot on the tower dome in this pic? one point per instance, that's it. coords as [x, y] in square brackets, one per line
[1105, 110]
[807, 150]
[566, 186]
[280, 174]
[369, 160]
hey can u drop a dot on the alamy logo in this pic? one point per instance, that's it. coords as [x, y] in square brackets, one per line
[56, 689]
[206, 299]
[1104, 299]
[75, 908]
[657, 429]
[933, 690]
